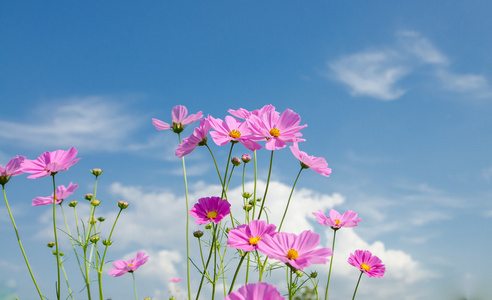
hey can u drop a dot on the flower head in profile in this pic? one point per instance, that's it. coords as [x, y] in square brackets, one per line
[242, 113]
[299, 251]
[317, 164]
[128, 266]
[367, 263]
[210, 209]
[337, 221]
[256, 291]
[49, 163]
[62, 193]
[178, 115]
[232, 130]
[247, 237]
[13, 168]
[197, 138]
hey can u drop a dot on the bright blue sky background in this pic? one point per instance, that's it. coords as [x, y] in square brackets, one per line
[397, 98]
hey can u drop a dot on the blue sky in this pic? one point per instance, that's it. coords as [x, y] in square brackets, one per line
[397, 98]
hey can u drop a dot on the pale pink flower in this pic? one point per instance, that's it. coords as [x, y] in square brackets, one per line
[179, 118]
[13, 168]
[317, 164]
[62, 193]
[49, 163]
[175, 280]
[244, 114]
[128, 266]
[256, 291]
[232, 130]
[198, 137]
[337, 221]
[210, 209]
[247, 237]
[367, 263]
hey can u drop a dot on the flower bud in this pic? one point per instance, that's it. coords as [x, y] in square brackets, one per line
[228, 229]
[107, 242]
[246, 158]
[123, 204]
[51, 244]
[101, 219]
[247, 207]
[198, 234]
[314, 274]
[252, 202]
[95, 202]
[94, 239]
[299, 273]
[89, 197]
[73, 203]
[247, 195]
[96, 172]
[236, 161]
[92, 221]
[208, 226]
[61, 253]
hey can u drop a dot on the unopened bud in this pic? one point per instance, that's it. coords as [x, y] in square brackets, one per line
[89, 197]
[198, 234]
[95, 202]
[96, 172]
[94, 239]
[51, 244]
[247, 207]
[73, 203]
[314, 274]
[252, 202]
[123, 204]
[92, 221]
[247, 195]
[208, 226]
[61, 253]
[101, 219]
[246, 158]
[236, 161]
[107, 242]
[299, 273]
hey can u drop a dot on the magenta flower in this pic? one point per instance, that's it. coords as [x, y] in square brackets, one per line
[210, 209]
[296, 250]
[232, 130]
[247, 237]
[175, 280]
[13, 168]
[62, 193]
[49, 163]
[277, 129]
[179, 118]
[337, 221]
[256, 291]
[317, 164]
[128, 266]
[244, 114]
[367, 263]
[199, 137]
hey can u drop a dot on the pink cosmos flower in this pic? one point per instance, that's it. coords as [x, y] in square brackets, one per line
[179, 118]
[13, 168]
[199, 137]
[337, 221]
[367, 263]
[277, 129]
[244, 114]
[247, 237]
[124, 266]
[296, 250]
[317, 164]
[175, 280]
[256, 291]
[232, 130]
[62, 193]
[210, 209]
[50, 163]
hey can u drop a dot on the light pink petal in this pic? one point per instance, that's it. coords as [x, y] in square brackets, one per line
[159, 125]
[178, 113]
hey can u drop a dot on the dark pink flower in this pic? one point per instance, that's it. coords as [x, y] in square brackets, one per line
[232, 130]
[336, 221]
[256, 291]
[175, 280]
[210, 209]
[317, 164]
[296, 250]
[62, 193]
[50, 163]
[244, 114]
[179, 118]
[199, 137]
[277, 129]
[367, 263]
[125, 266]
[247, 237]
[13, 168]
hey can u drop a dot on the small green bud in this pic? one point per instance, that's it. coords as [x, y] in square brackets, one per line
[95, 202]
[299, 273]
[247, 207]
[247, 195]
[123, 204]
[94, 239]
[51, 244]
[314, 274]
[198, 234]
[92, 221]
[236, 161]
[89, 197]
[96, 172]
[252, 202]
[208, 226]
[73, 203]
[101, 219]
[107, 242]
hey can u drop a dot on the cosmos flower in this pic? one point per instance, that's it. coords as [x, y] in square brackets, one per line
[210, 209]
[232, 130]
[247, 237]
[244, 114]
[317, 164]
[62, 193]
[337, 221]
[13, 168]
[277, 129]
[49, 163]
[256, 291]
[198, 137]
[296, 250]
[178, 115]
[125, 266]
[367, 263]
[175, 280]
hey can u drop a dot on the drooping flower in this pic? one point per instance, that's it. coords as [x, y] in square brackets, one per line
[179, 118]
[299, 251]
[62, 193]
[317, 164]
[367, 263]
[210, 209]
[244, 114]
[256, 291]
[232, 130]
[337, 221]
[13, 168]
[175, 280]
[277, 129]
[197, 138]
[128, 266]
[247, 237]
[50, 163]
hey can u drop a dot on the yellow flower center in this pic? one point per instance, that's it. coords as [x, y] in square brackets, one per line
[254, 240]
[212, 214]
[274, 132]
[235, 134]
[292, 254]
[364, 266]
[337, 222]
[130, 265]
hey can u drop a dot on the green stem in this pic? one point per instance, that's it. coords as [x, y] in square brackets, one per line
[331, 262]
[66, 280]
[267, 184]
[134, 286]
[254, 189]
[56, 239]
[71, 238]
[237, 271]
[87, 282]
[212, 246]
[360, 276]
[290, 197]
